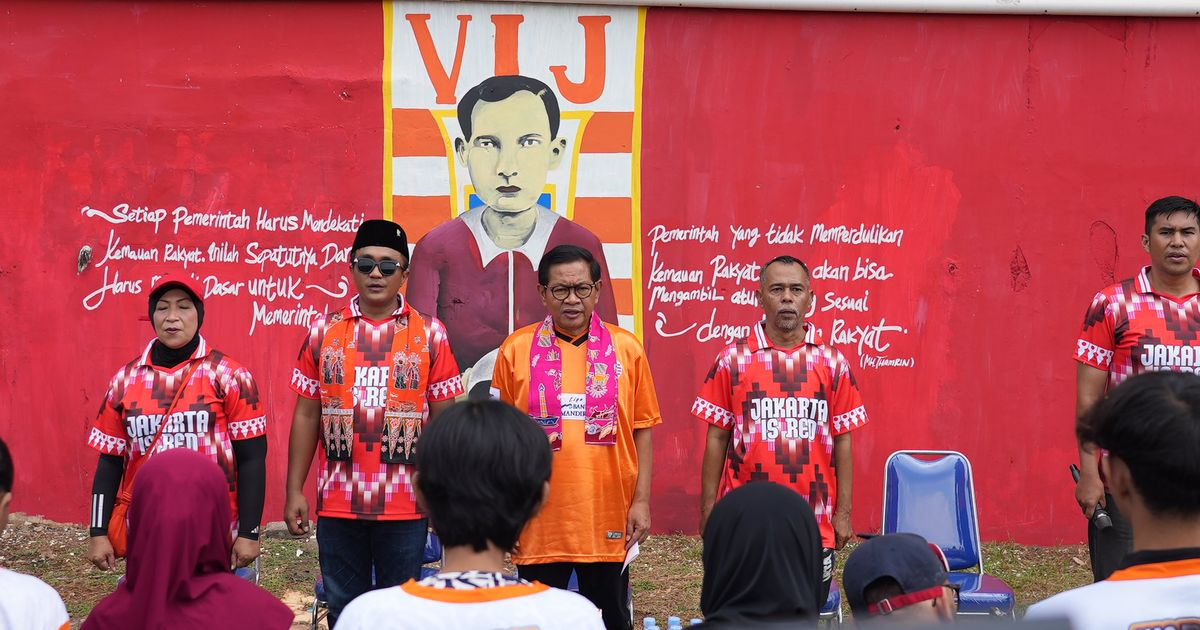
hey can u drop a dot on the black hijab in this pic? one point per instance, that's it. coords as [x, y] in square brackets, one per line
[160, 354]
[762, 559]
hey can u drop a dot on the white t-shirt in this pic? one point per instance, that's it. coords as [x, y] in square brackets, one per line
[1145, 596]
[471, 601]
[29, 603]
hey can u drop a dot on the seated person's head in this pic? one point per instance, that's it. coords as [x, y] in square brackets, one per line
[483, 471]
[900, 577]
[1150, 426]
[6, 484]
[762, 558]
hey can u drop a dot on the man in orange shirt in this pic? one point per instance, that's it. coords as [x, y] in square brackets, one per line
[588, 384]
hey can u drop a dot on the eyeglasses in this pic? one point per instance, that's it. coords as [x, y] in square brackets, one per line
[582, 291]
[366, 266]
[957, 595]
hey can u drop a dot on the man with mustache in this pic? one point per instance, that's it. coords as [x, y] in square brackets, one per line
[781, 408]
[587, 384]
[478, 272]
[1147, 323]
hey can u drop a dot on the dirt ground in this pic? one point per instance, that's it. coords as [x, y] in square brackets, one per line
[666, 578]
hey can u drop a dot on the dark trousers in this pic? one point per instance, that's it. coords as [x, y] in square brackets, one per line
[350, 550]
[828, 560]
[1109, 546]
[603, 583]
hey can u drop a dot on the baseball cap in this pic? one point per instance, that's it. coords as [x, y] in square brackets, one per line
[913, 562]
[172, 280]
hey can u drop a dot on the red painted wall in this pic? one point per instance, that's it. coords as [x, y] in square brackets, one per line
[1019, 154]
[212, 107]
[1016, 153]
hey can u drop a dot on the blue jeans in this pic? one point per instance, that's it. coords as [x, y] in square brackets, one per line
[351, 549]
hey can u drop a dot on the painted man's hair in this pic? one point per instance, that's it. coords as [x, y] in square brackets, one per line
[496, 89]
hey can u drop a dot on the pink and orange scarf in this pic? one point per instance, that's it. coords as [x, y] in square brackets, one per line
[545, 386]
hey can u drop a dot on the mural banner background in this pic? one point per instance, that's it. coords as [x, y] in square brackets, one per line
[959, 185]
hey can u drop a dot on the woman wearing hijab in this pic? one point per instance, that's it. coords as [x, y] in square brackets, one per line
[762, 560]
[211, 405]
[178, 570]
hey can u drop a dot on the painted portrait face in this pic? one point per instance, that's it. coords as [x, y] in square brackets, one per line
[1173, 243]
[175, 318]
[571, 313]
[375, 288]
[510, 151]
[785, 295]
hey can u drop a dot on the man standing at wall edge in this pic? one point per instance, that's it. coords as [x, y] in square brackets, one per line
[1149, 427]
[1146, 323]
[368, 378]
[782, 408]
[588, 384]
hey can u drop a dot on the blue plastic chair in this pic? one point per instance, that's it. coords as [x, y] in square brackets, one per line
[320, 607]
[932, 493]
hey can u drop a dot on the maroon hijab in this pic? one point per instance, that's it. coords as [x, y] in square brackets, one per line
[179, 556]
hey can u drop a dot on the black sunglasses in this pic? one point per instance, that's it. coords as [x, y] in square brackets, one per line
[366, 266]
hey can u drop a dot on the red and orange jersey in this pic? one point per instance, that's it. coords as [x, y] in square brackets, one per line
[1130, 329]
[365, 487]
[220, 403]
[784, 408]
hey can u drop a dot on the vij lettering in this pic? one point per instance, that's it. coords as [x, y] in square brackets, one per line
[506, 33]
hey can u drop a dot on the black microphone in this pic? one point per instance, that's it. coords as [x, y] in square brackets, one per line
[1100, 517]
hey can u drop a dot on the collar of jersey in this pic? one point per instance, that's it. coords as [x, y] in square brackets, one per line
[201, 350]
[352, 310]
[1159, 563]
[1143, 283]
[472, 596]
[760, 341]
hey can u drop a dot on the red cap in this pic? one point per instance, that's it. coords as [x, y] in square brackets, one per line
[184, 282]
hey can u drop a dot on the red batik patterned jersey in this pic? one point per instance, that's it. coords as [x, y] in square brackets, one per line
[784, 408]
[220, 403]
[365, 487]
[1130, 329]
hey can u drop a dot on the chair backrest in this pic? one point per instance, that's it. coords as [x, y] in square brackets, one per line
[932, 493]
[433, 549]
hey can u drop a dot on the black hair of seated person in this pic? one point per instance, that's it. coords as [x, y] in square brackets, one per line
[881, 589]
[6, 469]
[1151, 422]
[482, 467]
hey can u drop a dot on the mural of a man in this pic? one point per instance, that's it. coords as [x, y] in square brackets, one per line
[478, 272]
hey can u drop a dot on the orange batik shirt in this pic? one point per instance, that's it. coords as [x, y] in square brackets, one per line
[363, 484]
[592, 486]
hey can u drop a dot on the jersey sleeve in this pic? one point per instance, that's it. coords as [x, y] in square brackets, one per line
[445, 381]
[108, 434]
[646, 412]
[503, 376]
[304, 375]
[846, 409]
[243, 406]
[1096, 344]
[714, 403]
